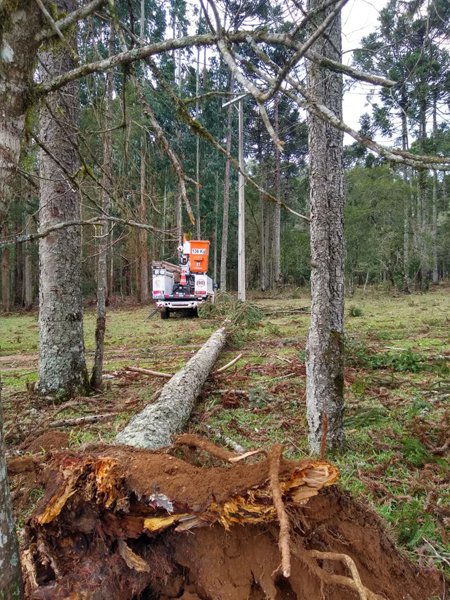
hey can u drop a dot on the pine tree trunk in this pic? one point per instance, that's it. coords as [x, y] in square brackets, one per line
[28, 272]
[102, 249]
[10, 574]
[18, 274]
[154, 426]
[142, 233]
[178, 220]
[6, 286]
[268, 212]
[226, 200]
[20, 23]
[406, 282]
[435, 229]
[262, 231]
[444, 193]
[62, 366]
[325, 347]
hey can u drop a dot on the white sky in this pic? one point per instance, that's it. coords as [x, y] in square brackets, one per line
[359, 18]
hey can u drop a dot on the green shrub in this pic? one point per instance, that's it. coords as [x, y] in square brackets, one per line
[358, 354]
[355, 311]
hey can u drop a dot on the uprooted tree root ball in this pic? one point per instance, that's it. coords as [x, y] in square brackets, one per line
[122, 523]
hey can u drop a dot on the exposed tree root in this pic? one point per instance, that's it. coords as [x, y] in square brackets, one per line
[283, 541]
[195, 441]
[119, 522]
[354, 583]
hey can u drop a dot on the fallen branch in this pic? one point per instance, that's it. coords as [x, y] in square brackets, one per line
[149, 372]
[79, 420]
[228, 365]
[228, 441]
[223, 391]
[278, 378]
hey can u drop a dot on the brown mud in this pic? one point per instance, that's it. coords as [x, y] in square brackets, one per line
[121, 523]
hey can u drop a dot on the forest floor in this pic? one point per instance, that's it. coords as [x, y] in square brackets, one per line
[397, 386]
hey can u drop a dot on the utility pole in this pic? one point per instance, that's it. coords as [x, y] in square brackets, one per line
[197, 156]
[241, 225]
[241, 199]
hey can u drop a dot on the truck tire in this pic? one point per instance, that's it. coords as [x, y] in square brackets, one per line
[165, 314]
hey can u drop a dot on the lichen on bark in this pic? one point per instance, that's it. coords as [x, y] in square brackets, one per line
[325, 347]
[62, 366]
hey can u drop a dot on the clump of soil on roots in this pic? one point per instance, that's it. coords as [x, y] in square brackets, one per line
[128, 524]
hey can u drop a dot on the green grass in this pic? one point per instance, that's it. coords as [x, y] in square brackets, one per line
[392, 418]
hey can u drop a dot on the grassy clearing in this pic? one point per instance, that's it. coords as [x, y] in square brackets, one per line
[397, 386]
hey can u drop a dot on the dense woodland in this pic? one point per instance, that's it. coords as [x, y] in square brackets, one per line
[396, 219]
[114, 141]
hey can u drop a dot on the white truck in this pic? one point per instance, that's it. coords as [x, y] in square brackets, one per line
[186, 286]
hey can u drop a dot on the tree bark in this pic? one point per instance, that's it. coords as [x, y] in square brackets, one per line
[10, 574]
[226, 200]
[19, 24]
[62, 366]
[325, 347]
[153, 427]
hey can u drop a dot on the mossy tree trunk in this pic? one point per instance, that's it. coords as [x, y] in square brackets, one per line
[19, 23]
[62, 366]
[325, 347]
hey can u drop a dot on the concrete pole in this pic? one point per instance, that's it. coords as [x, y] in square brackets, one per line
[241, 224]
[197, 157]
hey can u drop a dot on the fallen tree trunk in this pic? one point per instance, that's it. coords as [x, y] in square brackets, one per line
[153, 427]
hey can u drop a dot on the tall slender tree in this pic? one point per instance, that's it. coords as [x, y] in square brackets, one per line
[62, 365]
[325, 346]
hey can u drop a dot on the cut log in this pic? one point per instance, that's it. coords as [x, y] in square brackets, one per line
[153, 427]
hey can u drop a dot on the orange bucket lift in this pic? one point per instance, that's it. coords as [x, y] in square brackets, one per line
[198, 255]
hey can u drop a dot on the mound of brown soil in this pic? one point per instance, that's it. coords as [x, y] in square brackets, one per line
[122, 523]
[50, 440]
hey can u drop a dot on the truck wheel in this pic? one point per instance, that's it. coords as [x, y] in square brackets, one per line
[165, 314]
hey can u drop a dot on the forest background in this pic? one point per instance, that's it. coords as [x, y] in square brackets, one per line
[396, 219]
